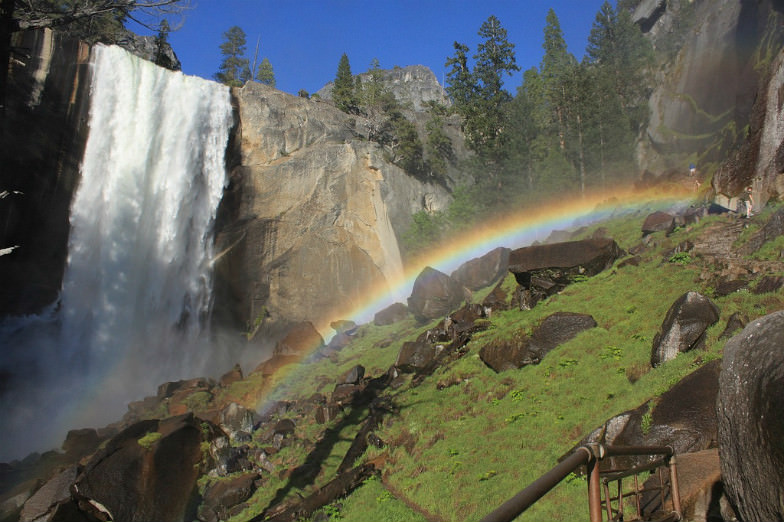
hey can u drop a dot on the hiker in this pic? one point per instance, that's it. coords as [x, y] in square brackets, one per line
[692, 169]
[748, 201]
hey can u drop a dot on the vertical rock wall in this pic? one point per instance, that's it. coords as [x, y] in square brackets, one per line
[308, 225]
[42, 132]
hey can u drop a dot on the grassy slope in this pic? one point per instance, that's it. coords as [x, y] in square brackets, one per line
[457, 452]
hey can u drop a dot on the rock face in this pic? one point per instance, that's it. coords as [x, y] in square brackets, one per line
[751, 397]
[42, 132]
[309, 221]
[691, 112]
[683, 327]
[415, 83]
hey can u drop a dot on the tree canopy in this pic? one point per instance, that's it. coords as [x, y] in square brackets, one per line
[234, 70]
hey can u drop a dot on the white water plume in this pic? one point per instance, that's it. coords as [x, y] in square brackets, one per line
[136, 292]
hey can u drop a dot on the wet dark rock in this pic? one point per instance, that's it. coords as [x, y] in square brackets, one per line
[353, 376]
[391, 314]
[236, 420]
[285, 427]
[415, 355]
[228, 459]
[434, 295]
[301, 339]
[772, 229]
[683, 418]
[750, 424]
[45, 501]
[221, 496]
[483, 271]
[544, 270]
[658, 222]
[768, 284]
[158, 476]
[630, 261]
[80, 443]
[737, 321]
[498, 299]
[345, 393]
[554, 330]
[684, 327]
[725, 288]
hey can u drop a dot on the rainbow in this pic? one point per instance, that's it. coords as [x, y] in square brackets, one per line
[513, 231]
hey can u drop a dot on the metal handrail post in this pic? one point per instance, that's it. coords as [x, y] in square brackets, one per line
[674, 491]
[594, 486]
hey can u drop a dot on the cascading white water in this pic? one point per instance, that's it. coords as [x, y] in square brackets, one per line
[137, 286]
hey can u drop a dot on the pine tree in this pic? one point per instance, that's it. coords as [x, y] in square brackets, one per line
[161, 44]
[494, 58]
[556, 64]
[265, 73]
[343, 91]
[234, 70]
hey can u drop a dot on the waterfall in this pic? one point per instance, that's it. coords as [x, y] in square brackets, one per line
[136, 292]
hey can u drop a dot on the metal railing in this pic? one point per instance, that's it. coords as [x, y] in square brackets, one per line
[590, 456]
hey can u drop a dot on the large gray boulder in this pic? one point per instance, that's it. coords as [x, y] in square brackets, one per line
[434, 295]
[750, 422]
[483, 271]
[684, 327]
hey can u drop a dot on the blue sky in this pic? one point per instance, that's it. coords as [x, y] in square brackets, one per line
[304, 39]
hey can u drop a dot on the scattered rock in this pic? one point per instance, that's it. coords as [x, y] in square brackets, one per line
[483, 271]
[353, 376]
[45, 501]
[391, 314]
[750, 426]
[768, 284]
[221, 496]
[415, 355]
[554, 330]
[684, 327]
[236, 420]
[657, 222]
[736, 322]
[434, 295]
[544, 270]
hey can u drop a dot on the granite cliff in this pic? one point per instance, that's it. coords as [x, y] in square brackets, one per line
[311, 217]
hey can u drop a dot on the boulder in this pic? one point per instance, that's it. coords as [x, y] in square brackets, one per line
[415, 356]
[221, 496]
[46, 500]
[684, 327]
[750, 425]
[683, 418]
[737, 321]
[543, 270]
[353, 376]
[301, 339]
[554, 330]
[391, 314]
[140, 477]
[498, 299]
[657, 222]
[434, 295]
[768, 284]
[232, 376]
[236, 420]
[483, 271]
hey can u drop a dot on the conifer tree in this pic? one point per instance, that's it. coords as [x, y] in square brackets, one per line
[234, 70]
[265, 73]
[343, 91]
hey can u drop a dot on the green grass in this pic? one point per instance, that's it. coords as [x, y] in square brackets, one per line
[456, 451]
